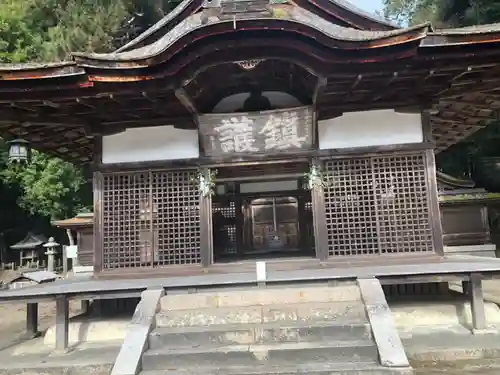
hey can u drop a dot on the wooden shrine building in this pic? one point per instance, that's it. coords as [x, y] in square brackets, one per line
[252, 129]
[30, 250]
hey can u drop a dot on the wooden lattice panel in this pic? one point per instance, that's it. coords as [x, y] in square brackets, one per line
[150, 219]
[224, 215]
[378, 205]
[309, 227]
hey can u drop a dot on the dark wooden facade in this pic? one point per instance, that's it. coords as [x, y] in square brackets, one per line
[156, 217]
[331, 58]
[463, 209]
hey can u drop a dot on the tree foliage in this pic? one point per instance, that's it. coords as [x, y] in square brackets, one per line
[49, 30]
[411, 12]
[50, 186]
[457, 160]
[443, 13]
[46, 31]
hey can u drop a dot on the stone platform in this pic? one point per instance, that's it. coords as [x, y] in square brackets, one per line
[340, 328]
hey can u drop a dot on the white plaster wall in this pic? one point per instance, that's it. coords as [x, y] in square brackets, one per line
[370, 128]
[149, 144]
[234, 103]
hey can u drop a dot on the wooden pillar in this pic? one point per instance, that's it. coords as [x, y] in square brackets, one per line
[432, 186]
[475, 292]
[98, 186]
[435, 212]
[32, 320]
[62, 323]
[206, 233]
[319, 219]
[98, 183]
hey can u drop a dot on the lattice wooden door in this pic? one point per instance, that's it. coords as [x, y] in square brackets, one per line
[150, 219]
[378, 205]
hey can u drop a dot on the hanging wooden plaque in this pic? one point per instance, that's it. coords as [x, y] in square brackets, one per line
[267, 132]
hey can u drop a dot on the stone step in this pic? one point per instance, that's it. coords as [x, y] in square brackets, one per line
[347, 292]
[340, 312]
[331, 368]
[265, 333]
[280, 354]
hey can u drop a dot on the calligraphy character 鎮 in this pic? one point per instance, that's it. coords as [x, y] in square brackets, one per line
[282, 132]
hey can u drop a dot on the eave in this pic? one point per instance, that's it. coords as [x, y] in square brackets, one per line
[474, 35]
[79, 221]
[60, 107]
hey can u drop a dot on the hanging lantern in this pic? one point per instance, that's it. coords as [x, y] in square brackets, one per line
[19, 151]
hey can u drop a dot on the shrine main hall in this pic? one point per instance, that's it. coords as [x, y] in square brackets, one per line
[301, 133]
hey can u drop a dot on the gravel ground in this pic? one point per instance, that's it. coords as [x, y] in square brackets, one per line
[13, 319]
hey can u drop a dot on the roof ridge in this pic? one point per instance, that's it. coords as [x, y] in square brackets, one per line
[185, 4]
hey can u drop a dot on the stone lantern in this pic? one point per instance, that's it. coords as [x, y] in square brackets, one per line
[19, 151]
[51, 247]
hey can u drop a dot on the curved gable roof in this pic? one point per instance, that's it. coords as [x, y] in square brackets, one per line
[339, 12]
[291, 19]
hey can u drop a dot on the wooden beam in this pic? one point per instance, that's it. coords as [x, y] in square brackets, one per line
[470, 103]
[454, 122]
[146, 95]
[182, 95]
[176, 122]
[83, 102]
[49, 103]
[23, 107]
[320, 86]
[382, 91]
[251, 159]
[10, 118]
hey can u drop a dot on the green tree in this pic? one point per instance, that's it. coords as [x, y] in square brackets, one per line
[50, 186]
[456, 160]
[19, 42]
[443, 13]
[49, 30]
[78, 25]
[411, 12]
